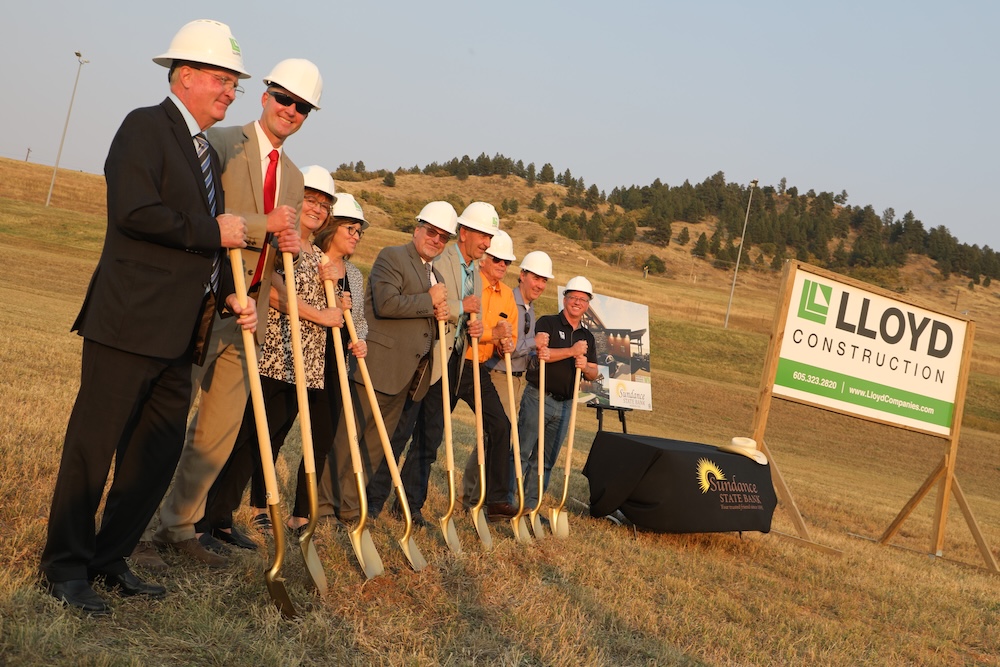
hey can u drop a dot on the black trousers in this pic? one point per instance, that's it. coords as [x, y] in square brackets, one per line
[429, 430]
[131, 408]
[281, 406]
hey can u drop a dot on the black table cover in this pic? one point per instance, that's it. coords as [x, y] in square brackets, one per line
[671, 486]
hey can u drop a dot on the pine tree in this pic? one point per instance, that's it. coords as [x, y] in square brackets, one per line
[701, 246]
[684, 236]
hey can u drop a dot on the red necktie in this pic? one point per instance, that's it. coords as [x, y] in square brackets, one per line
[270, 187]
[270, 181]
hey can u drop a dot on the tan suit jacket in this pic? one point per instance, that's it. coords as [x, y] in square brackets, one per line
[240, 155]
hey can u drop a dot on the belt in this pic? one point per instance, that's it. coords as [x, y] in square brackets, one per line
[516, 374]
[552, 394]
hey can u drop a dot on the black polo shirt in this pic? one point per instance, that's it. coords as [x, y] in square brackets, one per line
[559, 375]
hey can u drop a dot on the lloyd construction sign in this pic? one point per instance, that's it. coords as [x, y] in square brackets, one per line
[853, 350]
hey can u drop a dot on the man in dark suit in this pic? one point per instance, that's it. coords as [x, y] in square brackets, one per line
[161, 274]
[403, 301]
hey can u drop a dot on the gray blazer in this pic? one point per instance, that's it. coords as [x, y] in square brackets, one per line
[400, 317]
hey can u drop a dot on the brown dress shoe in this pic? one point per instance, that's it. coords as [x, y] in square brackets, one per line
[194, 550]
[145, 556]
[500, 511]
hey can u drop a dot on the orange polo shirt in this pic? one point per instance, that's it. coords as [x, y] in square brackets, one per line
[496, 299]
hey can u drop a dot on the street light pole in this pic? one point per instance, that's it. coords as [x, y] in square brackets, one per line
[739, 255]
[65, 127]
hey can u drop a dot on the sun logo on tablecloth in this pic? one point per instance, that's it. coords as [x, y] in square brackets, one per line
[706, 468]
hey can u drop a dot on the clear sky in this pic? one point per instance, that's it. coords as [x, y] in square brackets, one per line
[893, 101]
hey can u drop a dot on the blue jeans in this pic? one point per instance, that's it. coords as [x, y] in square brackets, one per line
[556, 426]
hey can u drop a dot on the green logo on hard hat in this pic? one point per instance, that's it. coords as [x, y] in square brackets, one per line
[235, 45]
[815, 302]
[496, 222]
[357, 205]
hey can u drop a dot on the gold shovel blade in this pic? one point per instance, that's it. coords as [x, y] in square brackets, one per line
[560, 522]
[272, 576]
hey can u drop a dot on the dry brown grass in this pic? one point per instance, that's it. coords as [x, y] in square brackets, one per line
[603, 597]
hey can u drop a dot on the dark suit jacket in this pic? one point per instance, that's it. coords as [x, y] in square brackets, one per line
[240, 154]
[400, 317]
[147, 292]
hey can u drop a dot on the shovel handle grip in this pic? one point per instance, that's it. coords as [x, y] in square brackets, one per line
[256, 391]
[301, 394]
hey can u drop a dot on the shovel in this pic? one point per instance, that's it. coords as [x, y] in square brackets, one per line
[559, 517]
[406, 543]
[272, 576]
[478, 515]
[309, 555]
[518, 522]
[536, 520]
[447, 524]
[361, 539]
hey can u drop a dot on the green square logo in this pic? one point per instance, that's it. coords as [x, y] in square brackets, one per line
[815, 302]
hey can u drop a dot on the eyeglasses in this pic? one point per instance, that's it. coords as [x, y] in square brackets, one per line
[578, 299]
[435, 233]
[497, 260]
[355, 232]
[316, 203]
[286, 101]
[227, 84]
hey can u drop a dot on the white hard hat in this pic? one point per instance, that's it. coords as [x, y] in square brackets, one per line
[319, 178]
[347, 206]
[441, 214]
[502, 246]
[481, 217]
[207, 42]
[299, 77]
[580, 284]
[538, 263]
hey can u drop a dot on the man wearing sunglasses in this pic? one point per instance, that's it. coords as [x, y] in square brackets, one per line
[264, 186]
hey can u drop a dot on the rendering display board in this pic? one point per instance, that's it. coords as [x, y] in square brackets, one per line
[621, 331]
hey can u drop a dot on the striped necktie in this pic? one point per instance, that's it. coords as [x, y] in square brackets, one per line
[205, 158]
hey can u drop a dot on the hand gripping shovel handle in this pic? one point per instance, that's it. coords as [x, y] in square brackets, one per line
[275, 584]
[361, 540]
[313, 566]
[560, 520]
[478, 515]
[447, 523]
[406, 542]
[536, 520]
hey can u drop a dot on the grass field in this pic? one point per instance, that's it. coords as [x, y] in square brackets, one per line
[605, 596]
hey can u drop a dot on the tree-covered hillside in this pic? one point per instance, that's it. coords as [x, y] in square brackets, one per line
[821, 228]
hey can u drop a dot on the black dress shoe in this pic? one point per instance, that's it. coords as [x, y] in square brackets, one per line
[236, 538]
[418, 519]
[128, 584]
[210, 543]
[78, 593]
